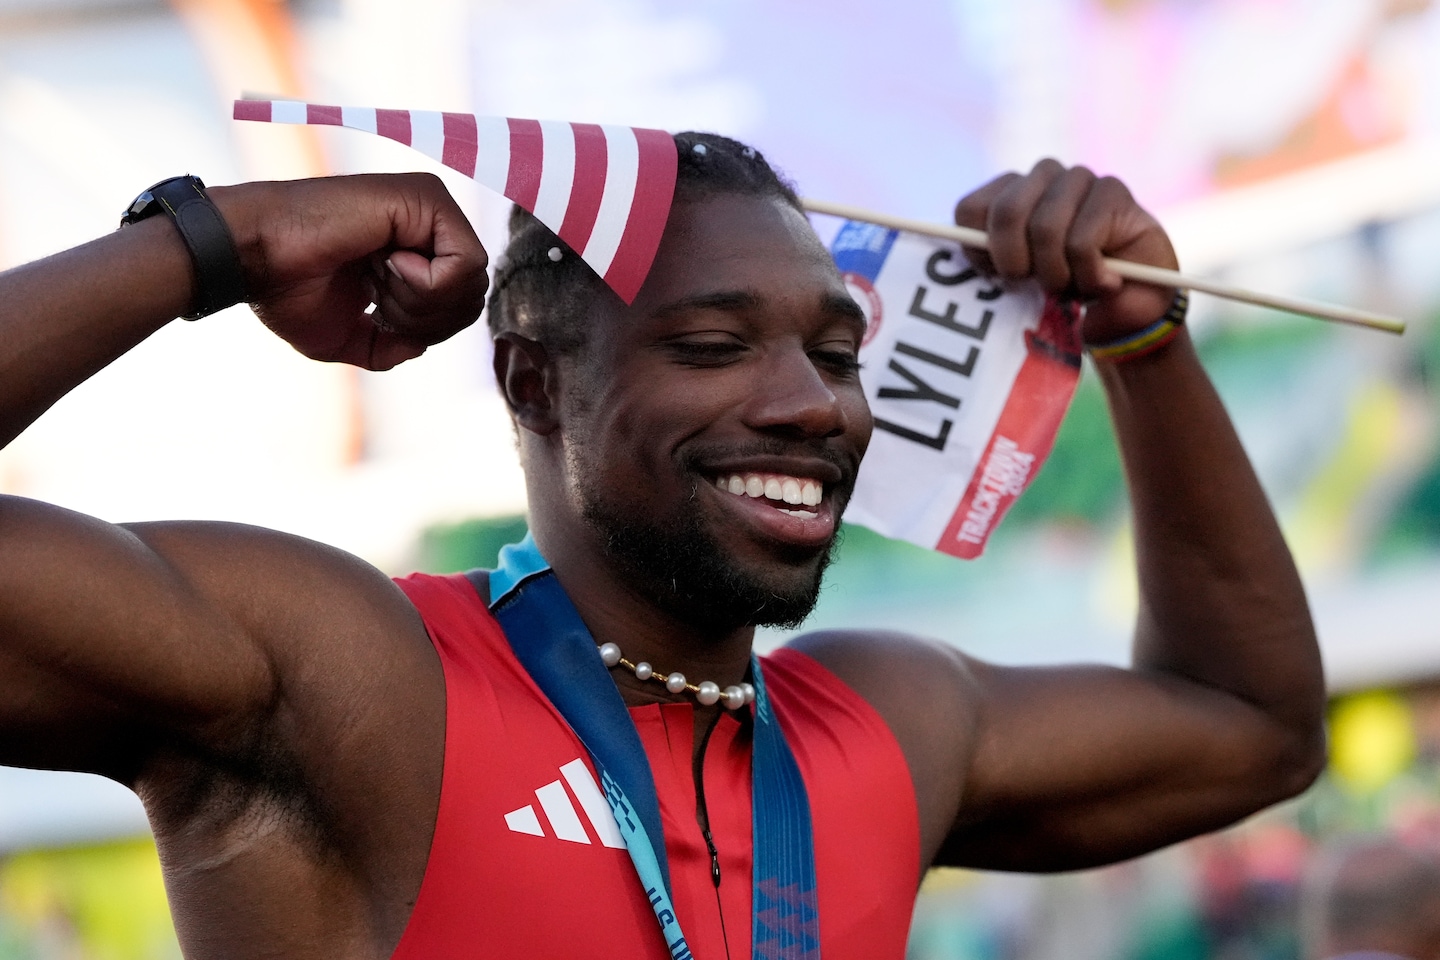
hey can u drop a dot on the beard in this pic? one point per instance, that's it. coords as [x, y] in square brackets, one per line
[679, 567]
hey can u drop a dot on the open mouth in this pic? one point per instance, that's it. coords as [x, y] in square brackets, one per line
[798, 497]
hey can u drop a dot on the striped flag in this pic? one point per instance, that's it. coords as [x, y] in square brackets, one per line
[605, 190]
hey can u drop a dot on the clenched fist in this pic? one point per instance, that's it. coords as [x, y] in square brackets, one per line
[319, 253]
[1058, 224]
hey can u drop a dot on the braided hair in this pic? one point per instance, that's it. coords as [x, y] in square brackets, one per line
[547, 297]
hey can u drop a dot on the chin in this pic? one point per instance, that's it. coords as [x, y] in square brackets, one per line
[687, 572]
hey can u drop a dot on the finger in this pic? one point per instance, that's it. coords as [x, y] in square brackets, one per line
[422, 319]
[438, 277]
[1097, 231]
[973, 211]
[1111, 224]
[373, 343]
[448, 262]
[431, 313]
[391, 317]
[1009, 220]
[434, 265]
[428, 221]
[388, 351]
[1048, 229]
[408, 273]
[377, 317]
[376, 335]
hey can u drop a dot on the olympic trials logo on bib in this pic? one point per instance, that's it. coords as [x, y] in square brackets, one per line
[869, 300]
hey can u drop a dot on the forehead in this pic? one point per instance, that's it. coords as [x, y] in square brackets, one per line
[723, 244]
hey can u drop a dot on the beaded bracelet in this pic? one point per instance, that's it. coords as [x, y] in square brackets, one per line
[1148, 340]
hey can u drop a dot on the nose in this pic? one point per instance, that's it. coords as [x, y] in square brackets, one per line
[792, 398]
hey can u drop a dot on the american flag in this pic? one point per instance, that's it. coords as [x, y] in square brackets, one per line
[605, 190]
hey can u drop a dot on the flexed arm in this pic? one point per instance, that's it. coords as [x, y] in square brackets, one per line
[316, 254]
[1221, 712]
[110, 636]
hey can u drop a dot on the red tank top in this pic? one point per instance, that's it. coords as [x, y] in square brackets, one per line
[519, 868]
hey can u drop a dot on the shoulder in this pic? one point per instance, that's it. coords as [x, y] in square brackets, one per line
[929, 694]
[298, 599]
[892, 671]
[334, 633]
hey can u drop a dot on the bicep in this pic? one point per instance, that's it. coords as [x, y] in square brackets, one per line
[106, 638]
[1055, 768]
[1079, 766]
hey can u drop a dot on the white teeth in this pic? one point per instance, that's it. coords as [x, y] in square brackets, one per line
[794, 491]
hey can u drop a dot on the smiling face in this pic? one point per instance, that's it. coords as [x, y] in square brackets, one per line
[712, 431]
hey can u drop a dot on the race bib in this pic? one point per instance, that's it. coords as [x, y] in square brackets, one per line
[968, 379]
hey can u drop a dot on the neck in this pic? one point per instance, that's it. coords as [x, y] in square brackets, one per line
[616, 613]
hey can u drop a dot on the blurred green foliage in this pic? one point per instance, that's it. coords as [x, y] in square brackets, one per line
[1414, 525]
[453, 547]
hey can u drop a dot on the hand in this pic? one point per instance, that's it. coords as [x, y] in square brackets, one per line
[318, 253]
[1057, 225]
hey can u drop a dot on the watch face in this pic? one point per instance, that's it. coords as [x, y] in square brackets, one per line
[140, 209]
[147, 204]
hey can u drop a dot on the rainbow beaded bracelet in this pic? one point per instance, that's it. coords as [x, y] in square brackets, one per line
[1148, 340]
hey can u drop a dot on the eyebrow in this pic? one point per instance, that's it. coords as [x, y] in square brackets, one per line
[729, 301]
[735, 301]
[845, 307]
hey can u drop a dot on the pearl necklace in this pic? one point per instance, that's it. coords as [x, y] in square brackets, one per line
[708, 692]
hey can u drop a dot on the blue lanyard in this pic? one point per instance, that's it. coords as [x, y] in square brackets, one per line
[554, 645]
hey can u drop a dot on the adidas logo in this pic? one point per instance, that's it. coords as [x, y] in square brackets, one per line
[564, 820]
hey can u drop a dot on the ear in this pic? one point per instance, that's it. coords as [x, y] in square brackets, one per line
[527, 379]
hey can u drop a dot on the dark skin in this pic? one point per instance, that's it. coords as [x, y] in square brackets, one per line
[279, 708]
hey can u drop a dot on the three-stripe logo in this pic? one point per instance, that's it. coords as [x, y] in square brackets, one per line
[560, 813]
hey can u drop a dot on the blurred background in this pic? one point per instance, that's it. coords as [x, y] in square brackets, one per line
[1290, 145]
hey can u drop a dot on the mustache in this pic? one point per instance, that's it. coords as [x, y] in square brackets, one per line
[697, 458]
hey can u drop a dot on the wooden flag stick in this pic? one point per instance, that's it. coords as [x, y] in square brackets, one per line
[1130, 271]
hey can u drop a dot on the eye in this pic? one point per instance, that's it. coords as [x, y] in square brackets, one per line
[840, 361]
[705, 353]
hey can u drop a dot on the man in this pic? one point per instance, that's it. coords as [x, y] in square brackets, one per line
[335, 765]
[1372, 898]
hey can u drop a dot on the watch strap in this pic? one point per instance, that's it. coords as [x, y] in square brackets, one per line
[219, 276]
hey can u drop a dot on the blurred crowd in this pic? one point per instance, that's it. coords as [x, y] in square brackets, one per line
[1349, 870]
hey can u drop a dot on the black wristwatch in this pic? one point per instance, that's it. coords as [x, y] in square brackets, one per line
[219, 277]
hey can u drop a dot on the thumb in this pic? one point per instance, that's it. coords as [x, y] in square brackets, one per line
[415, 270]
